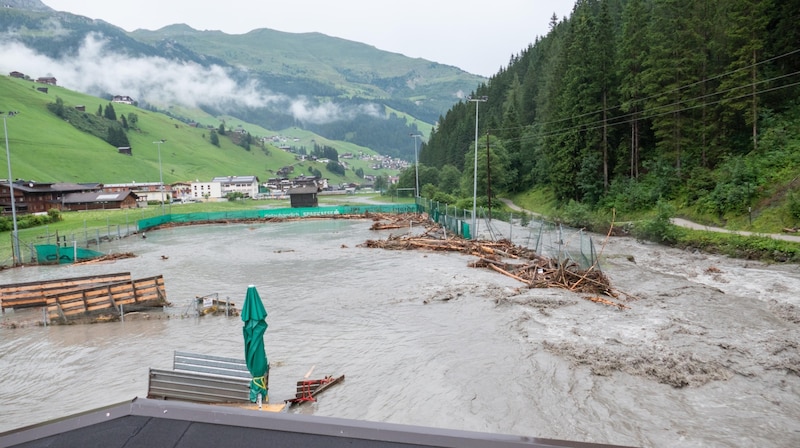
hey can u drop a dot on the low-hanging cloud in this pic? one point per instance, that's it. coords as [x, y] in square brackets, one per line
[96, 70]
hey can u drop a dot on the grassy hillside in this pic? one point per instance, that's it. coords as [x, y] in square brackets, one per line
[46, 148]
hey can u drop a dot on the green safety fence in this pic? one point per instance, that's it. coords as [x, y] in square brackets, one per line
[244, 215]
[455, 220]
[55, 254]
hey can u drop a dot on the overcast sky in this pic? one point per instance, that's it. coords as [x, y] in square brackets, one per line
[478, 36]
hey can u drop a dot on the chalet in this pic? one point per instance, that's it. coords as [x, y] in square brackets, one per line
[285, 170]
[80, 108]
[303, 197]
[34, 197]
[125, 150]
[47, 80]
[17, 75]
[181, 191]
[99, 200]
[122, 99]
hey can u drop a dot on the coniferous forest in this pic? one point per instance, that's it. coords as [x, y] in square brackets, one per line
[628, 102]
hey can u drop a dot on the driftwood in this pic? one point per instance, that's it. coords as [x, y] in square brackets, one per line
[519, 263]
[108, 257]
[386, 221]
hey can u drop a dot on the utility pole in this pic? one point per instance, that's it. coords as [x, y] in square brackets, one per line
[488, 177]
[160, 173]
[416, 164]
[15, 233]
[475, 170]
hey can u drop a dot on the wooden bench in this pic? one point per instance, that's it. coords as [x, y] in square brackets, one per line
[106, 298]
[31, 294]
[202, 378]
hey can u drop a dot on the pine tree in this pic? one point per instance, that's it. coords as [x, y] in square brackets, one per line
[632, 54]
[747, 33]
[511, 135]
[671, 78]
[605, 51]
[109, 113]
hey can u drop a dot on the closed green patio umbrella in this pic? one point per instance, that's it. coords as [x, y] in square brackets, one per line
[254, 315]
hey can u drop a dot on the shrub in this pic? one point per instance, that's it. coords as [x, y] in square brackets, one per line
[659, 229]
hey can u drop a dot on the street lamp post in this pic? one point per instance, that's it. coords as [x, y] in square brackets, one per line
[14, 234]
[475, 171]
[160, 173]
[416, 163]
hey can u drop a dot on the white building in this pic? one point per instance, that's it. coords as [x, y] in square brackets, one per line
[247, 185]
[206, 190]
[220, 187]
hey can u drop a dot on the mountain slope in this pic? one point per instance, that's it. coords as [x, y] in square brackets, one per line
[64, 154]
[272, 79]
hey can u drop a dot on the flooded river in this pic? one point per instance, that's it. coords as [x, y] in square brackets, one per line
[707, 354]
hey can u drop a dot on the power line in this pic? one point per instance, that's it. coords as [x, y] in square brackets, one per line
[620, 119]
[674, 90]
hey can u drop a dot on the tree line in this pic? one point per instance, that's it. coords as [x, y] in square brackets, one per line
[627, 102]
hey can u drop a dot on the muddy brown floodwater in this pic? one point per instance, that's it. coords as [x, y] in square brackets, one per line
[706, 354]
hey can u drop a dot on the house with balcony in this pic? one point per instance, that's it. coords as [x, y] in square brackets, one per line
[38, 197]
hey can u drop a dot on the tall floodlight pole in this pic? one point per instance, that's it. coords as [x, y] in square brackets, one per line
[160, 173]
[15, 233]
[416, 163]
[475, 171]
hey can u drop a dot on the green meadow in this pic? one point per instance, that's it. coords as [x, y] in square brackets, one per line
[46, 148]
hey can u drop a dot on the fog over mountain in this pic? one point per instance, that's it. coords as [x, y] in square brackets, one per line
[341, 90]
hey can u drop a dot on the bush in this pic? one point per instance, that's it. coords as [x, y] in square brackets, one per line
[54, 214]
[659, 229]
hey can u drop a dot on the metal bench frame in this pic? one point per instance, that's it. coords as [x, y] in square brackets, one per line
[201, 378]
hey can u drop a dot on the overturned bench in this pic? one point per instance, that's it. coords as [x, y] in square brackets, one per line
[201, 378]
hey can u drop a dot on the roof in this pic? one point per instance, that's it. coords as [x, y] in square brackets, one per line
[235, 179]
[63, 187]
[96, 196]
[307, 189]
[176, 424]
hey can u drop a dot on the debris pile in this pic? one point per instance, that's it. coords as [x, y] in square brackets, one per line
[517, 262]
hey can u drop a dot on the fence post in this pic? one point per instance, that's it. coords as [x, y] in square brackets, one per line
[511, 227]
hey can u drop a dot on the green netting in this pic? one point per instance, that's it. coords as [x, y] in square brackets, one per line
[242, 215]
[54, 254]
